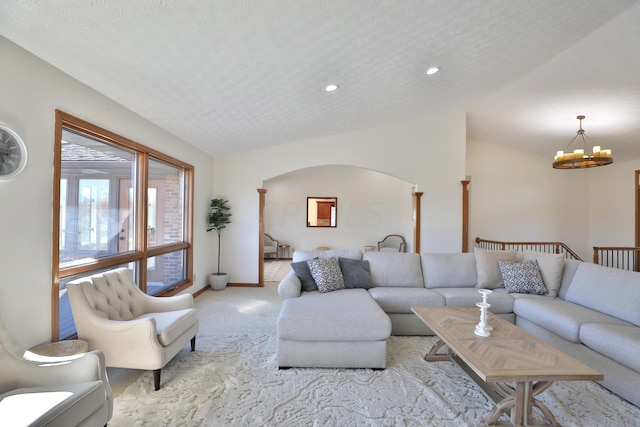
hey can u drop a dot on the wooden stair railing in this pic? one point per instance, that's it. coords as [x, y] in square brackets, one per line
[625, 258]
[549, 247]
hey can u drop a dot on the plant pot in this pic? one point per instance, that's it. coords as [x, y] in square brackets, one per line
[218, 281]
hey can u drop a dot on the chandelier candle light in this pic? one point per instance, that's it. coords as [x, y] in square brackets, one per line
[580, 158]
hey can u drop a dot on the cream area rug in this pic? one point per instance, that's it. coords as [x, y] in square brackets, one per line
[233, 380]
[271, 270]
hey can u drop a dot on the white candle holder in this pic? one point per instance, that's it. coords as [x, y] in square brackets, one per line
[482, 329]
[485, 296]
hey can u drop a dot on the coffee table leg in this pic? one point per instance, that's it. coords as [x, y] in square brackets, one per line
[521, 401]
[538, 388]
[434, 356]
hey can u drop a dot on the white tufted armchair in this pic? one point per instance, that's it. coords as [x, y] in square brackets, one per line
[52, 391]
[271, 246]
[392, 243]
[134, 330]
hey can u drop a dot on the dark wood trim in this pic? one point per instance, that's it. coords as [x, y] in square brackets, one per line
[622, 257]
[82, 126]
[175, 290]
[416, 220]
[189, 200]
[246, 285]
[141, 251]
[141, 220]
[262, 196]
[55, 229]
[616, 248]
[637, 214]
[497, 245]
[200, 291]
[465, 215]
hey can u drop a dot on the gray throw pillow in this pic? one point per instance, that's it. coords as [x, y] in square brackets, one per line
[326, 273]
[551, 267]
[356, 273]
[301, 269]
[522, 277]
[489, 276]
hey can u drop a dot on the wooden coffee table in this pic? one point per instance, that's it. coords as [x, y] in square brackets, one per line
[509, 355]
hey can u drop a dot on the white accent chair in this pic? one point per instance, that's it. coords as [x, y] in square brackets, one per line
[38, 390]
[133, 329]
[392, 243]
[271, 246]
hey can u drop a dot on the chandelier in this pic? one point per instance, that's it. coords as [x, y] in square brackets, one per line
[580, 158]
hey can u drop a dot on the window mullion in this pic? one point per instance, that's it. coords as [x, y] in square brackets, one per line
[161, 257]
[142, 185]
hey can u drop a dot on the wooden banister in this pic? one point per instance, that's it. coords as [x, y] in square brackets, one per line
[549, 247]
[625, 258]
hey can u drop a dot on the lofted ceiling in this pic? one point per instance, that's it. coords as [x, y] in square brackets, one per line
[236, 75]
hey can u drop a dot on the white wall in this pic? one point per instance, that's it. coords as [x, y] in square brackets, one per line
[516, 196]
[428, 152]
[31, 91]
[371, 205]
[612, 204]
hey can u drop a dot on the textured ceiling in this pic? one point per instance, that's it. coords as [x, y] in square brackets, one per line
[234, 75]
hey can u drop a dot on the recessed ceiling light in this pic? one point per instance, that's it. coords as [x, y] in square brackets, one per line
[331, 88]
[432, 70]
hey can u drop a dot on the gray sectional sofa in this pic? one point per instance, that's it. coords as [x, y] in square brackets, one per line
[590, 312]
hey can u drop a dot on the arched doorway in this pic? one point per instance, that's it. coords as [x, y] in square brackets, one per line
[371, 205]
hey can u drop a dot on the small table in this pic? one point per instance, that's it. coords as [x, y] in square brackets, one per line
[282, 249]
[61, 348]
[369, 248]
[508, 355]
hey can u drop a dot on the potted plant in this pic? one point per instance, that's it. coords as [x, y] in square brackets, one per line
[219, 217]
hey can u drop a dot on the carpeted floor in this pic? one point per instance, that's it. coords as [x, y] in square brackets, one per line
[232, 380]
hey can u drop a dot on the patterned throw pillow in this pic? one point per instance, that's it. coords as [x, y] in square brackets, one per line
[326, 273]
[522, 277]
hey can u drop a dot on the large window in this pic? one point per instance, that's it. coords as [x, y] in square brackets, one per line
[117, 203]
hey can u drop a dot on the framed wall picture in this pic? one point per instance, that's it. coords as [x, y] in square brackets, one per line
[322, 211]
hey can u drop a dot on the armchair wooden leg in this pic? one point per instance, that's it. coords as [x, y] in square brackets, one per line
[193, 343]
[156, 379]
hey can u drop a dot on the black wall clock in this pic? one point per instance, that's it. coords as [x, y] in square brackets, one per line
[13, 153]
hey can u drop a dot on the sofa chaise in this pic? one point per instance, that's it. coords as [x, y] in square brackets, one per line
[589, 311]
